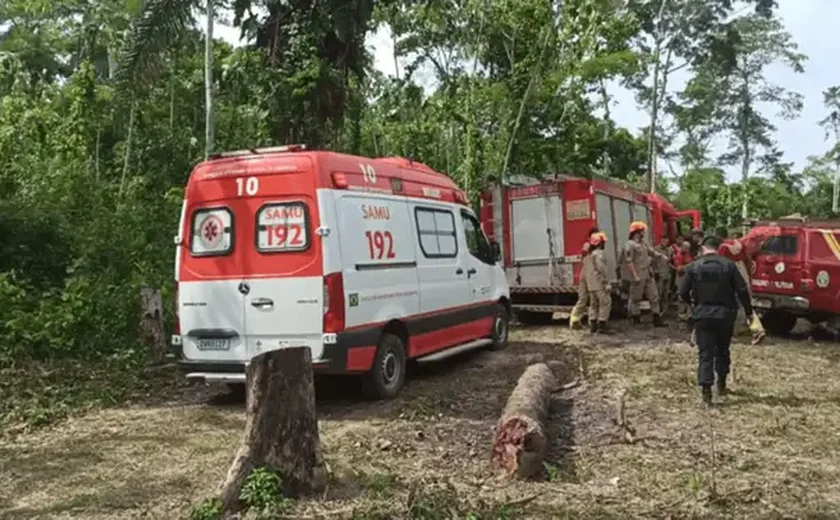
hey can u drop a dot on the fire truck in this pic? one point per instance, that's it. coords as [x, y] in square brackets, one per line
[795, 271]
[543, 224]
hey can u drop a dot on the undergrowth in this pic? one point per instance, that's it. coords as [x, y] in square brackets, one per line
[35, 394]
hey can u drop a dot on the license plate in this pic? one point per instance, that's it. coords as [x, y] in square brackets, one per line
[213, 344]
[764, 304]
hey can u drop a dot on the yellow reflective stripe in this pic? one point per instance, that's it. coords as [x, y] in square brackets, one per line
[831, 240]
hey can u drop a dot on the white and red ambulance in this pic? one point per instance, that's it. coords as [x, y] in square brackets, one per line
[368, 262]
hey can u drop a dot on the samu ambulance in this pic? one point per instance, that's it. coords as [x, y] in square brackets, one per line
[368, 262]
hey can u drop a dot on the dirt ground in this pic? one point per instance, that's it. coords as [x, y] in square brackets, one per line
[770, 450]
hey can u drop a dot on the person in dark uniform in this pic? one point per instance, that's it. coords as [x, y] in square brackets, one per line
[714, 286]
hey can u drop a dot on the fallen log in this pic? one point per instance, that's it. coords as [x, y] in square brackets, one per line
[281, 429]
[520, 444]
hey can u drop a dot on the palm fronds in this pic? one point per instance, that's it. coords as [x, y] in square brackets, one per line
[160, 23]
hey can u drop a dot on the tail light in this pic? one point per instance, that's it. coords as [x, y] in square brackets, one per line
[339, 180]
[333, 303]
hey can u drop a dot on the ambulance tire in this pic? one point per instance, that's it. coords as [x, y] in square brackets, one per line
[501, 327]
[387, 375]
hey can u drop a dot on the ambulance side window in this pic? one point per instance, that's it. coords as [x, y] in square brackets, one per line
[436, 231]
[476, 241]
[211, 232]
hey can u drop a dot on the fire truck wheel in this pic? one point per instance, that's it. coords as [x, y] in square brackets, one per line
[501, 326]
[387, 376]
[778, 323]
[534, 318]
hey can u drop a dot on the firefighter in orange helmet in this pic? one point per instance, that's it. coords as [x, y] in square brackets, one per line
[583, 291]
[637, 269]
[598, 284]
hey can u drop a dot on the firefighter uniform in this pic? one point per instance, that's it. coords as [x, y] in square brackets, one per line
[662, 271]
[637, 260]
[597, 281]
[714, 286]
[736, 252]
[583, 293]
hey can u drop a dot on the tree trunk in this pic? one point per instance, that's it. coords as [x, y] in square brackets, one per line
[654, 119]
[127, 148]
[152, 323]
[208, 83]
[281, 430]
[520, 444]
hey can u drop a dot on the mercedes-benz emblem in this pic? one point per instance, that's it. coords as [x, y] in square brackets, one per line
[244, 288]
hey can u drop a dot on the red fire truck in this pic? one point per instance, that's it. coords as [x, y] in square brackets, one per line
[795, 271]
[542, 225]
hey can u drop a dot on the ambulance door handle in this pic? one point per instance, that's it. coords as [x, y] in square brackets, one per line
[471, 271]
[262, 302]
[459, 271]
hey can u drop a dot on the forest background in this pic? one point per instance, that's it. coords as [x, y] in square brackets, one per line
[106, 105]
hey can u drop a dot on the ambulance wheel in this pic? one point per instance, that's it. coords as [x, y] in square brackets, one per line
[778, 323]
[387, 375]
[501, 327]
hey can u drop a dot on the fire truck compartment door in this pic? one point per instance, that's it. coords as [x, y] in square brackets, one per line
[534, 221]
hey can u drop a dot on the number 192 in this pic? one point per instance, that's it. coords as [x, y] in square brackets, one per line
[380, 244]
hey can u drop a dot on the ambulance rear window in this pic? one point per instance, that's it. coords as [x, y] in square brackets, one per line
[212, 232]
[282, 227]
[784, 245]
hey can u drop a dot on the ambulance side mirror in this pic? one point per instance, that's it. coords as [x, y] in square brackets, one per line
[496, 250]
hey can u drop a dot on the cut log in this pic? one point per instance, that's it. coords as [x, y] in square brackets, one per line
[520, 444]
[281, 429]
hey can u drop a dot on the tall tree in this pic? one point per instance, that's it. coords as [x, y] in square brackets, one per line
[831, 125]
[676, 35]
[734, 89]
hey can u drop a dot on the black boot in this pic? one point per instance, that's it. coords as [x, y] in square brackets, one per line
[657, 320]
[593, 326]
[603, 328]
[721, 385]
[636, 320]
[706, 394]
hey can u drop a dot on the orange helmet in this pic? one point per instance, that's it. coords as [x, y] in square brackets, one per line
[637, 226]
[597, 239]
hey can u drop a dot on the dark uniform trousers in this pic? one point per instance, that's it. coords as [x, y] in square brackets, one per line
[713, 338]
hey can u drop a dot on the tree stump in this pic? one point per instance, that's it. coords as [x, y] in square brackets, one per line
[520, 444]
[154, 332]
[281, 429]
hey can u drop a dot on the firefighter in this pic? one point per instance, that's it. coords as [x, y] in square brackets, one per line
[714, 286]
[583, 291]
[735, 251]
[598, 283]
[681, 262]
[695, 239]
[662, 272]
[637, 263]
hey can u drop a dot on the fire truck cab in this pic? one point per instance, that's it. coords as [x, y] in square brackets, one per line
[542, 226]
[795, 271]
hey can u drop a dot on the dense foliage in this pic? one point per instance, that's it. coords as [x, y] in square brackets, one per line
[103, 114]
